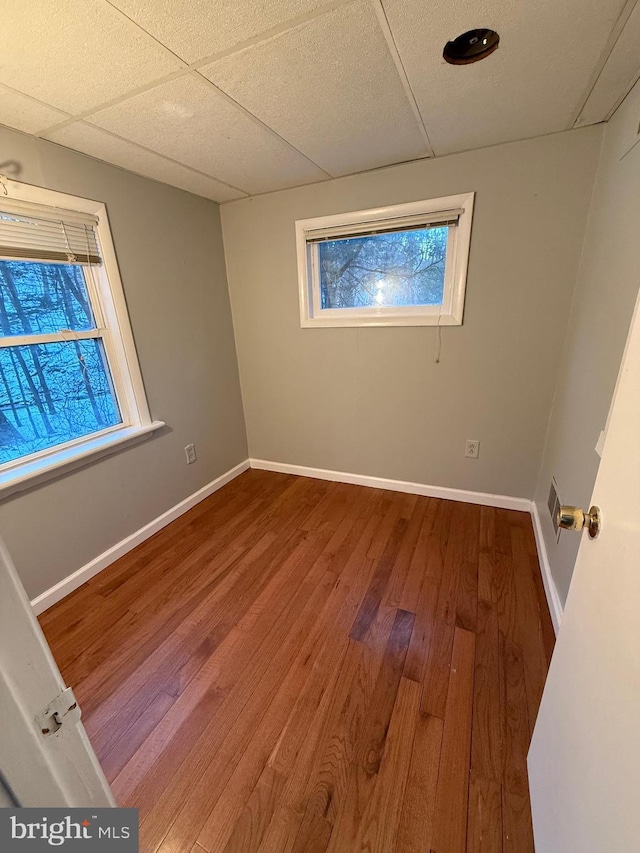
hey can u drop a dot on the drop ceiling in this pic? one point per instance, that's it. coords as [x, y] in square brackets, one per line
[238, 97]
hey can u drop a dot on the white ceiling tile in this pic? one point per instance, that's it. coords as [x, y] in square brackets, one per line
[102, 145]
[329, 87]
[188, 120]
[76, 54]
[620, 70]
[530, 86]
[327, 84]
[23, 113]
[195, 29]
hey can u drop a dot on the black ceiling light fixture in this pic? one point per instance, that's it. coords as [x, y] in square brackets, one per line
[471, 46]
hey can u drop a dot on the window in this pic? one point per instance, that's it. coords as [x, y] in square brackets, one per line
[70, 385]
[404, 265]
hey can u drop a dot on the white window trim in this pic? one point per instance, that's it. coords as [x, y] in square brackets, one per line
[107, 300]
[450, 313]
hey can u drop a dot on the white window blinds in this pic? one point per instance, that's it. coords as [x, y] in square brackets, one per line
[50, 234]
[385, 226]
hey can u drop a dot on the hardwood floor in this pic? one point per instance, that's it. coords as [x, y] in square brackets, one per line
[304, 666]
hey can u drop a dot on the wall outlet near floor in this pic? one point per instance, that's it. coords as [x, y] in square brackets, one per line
[472, 449]
[190, 453]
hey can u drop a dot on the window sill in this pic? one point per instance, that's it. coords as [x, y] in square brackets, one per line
[63, 461]
[329, 321]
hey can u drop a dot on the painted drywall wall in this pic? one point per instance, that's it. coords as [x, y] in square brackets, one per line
[373, 401]
[169, 249]
[603, 303]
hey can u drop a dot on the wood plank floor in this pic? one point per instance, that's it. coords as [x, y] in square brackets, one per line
[298, 666]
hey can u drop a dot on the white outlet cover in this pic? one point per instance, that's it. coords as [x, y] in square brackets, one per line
[472, 448]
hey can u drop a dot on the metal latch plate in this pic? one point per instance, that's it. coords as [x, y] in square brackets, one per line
[63, 709]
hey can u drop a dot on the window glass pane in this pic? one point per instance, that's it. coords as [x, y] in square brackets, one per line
[51, 394]
[384, 270]
[41, 298]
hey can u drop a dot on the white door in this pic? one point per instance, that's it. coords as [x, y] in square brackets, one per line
[56, 768]
[584, 761]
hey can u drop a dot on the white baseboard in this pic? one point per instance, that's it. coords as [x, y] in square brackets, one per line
[551, 591]
[485, 498]
[55, 593]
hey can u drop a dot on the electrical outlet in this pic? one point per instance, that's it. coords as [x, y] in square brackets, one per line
[190, 453]
[472, 450]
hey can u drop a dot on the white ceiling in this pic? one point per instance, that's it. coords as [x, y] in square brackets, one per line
[239, 97]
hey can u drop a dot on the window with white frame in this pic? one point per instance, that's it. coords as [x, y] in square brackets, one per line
[404, 265]
[70, 384]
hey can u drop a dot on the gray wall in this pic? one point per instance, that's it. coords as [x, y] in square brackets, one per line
[602, 308]
[170, 253]
[372, 401]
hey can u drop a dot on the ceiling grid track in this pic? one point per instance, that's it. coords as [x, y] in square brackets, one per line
[381, 15]
[39, 103]
[616, 32]
[160, 44]
[272, 32]
[167, 78]
[258, 121]
[162, 156]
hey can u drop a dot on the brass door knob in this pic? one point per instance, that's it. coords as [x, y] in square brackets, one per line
[574, 518]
